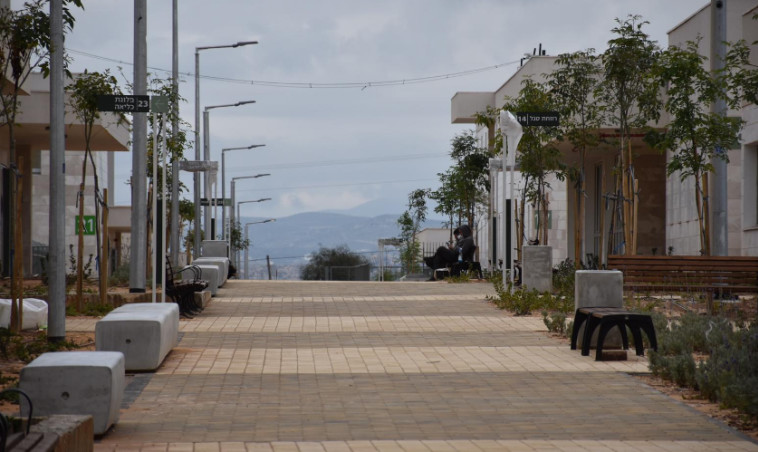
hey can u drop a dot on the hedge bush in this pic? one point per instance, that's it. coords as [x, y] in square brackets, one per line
[711, 355]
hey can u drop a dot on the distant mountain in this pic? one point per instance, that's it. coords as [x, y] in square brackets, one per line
[288, 240]
[396, 206]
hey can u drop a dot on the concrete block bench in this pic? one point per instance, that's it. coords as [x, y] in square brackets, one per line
[86, 383]
[221, 262]
[143, 332]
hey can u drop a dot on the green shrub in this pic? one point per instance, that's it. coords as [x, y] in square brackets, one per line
[728, 373]
[563, 286]
[462, 278]
[120, 275]
[90, 309]
[15, 346]
[519, 301]
[556, 323]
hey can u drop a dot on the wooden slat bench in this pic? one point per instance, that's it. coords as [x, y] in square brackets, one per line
[713, 275]
[607, 318]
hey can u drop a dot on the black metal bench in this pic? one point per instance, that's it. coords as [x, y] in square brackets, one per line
[606, 318]
[182, 292]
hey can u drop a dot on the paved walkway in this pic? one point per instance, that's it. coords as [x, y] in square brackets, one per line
[297, 366]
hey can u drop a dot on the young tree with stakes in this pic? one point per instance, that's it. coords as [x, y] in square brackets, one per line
[629, 102]
[410, 223]
[537, 155]
[83, 94]
[696, 135]
[572, 86]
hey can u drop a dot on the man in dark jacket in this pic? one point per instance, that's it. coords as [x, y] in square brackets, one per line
[466, 244]
[445, 255]
[463, 249]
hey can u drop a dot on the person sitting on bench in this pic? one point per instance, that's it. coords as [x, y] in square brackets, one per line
[466, 249]
[447, 256]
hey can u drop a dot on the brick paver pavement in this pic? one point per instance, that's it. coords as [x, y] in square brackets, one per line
[300, 366]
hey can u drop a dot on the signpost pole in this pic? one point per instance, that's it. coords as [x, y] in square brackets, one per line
[137, 261]
[154, 207]
[164, 198]
[56, 317]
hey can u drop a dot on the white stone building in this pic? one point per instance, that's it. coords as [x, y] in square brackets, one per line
[32, 144]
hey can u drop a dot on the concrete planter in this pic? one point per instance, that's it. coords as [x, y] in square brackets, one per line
[599, 288]
[537, 268]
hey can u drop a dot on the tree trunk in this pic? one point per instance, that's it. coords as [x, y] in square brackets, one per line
[80, 249]
[626, 196]
[150, 224]
[17, 302]
[635, 211]
[578, 227]
[105, 253]
[706, 238]
[633, 202]
[97, 208]
[579, 213]
[15, 253]
[601, 242]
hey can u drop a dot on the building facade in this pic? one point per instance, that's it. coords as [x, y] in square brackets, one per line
[667, 219]
[32, 156]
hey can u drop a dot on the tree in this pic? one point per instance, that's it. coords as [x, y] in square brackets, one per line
[83, 94]
[176, 144]
[469, 176]
[410, 223]
[746, 77]
[537, 155]
[25, 44]
[187, 215]
[174, 149]
[629, 102]
[238, 241]
[696, 135]
[572, 86]
[319, 263]
[446, 197]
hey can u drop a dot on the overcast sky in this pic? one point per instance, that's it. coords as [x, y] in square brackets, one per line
[339, 148]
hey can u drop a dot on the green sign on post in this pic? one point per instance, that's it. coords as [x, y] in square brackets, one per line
[89, 225]
[159, 104]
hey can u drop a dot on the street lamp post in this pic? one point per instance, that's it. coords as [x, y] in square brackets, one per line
[234, 250]
[195, 177]
[246, 239]
[207, 156]
[224, 233]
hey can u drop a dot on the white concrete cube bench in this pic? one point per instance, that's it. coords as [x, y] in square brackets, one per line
[212, 274]
[86, 383]
[214, 248]
[599, 289]
[221, 262]
[143, 332]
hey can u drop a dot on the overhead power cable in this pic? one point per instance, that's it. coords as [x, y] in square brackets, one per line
[319, 163]
[316, 85]
[334, 185]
